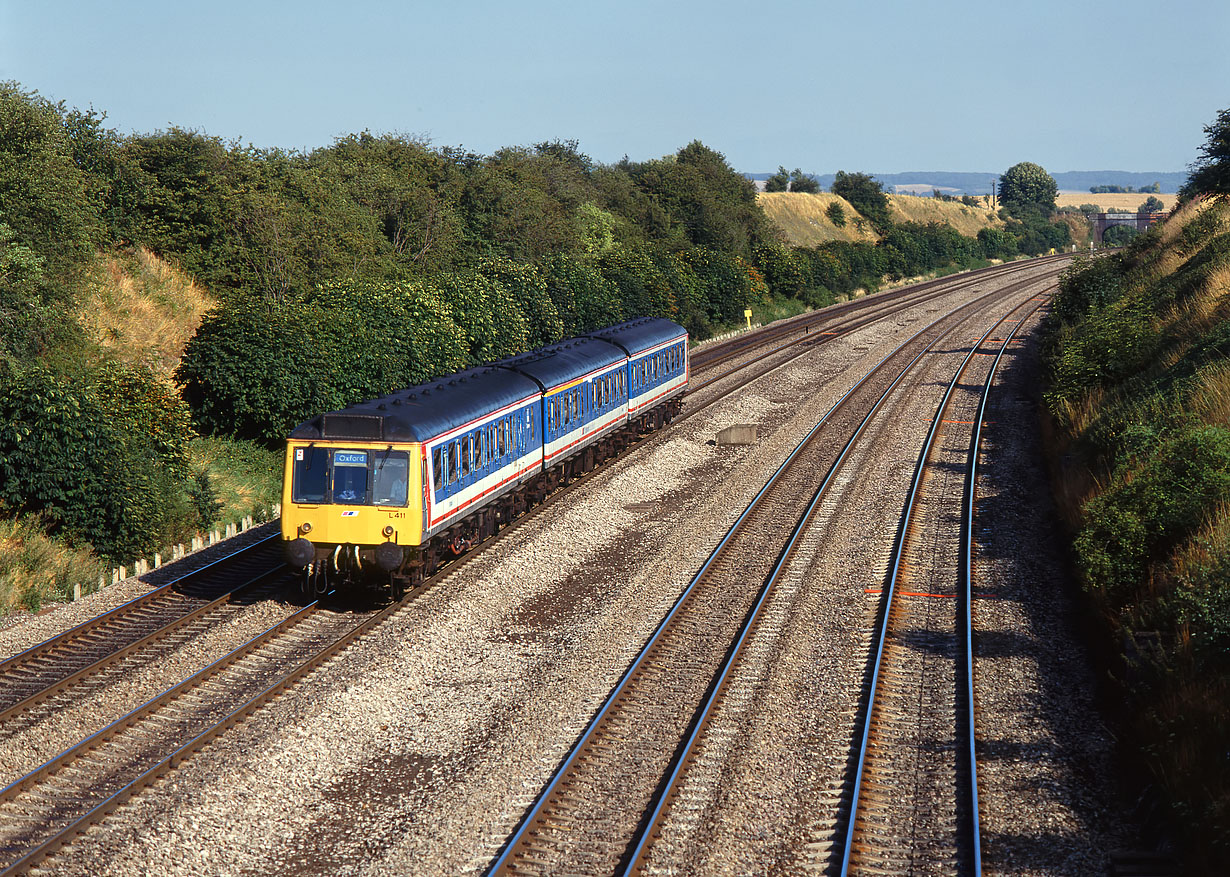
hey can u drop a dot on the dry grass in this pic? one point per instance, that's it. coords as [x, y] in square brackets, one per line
[1175, 224]
[966, 220]
[35, 568]
[1211, 396]
[802, 218]
[143, 309]
[1112, 202]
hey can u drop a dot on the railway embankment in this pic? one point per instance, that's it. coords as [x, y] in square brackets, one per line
[1138, 399]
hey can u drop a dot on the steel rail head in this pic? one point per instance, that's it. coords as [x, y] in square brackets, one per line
[890, 589]
[503, 860]
[107, 660]
[118, 611]
[967, 587]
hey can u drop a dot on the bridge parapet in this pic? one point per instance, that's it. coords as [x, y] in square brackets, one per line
[1139, 221]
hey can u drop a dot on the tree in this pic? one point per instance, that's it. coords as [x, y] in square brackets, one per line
[866, 195]
[801, 182]
[1210, 173]
[44, 197]
[779, 182]
[1151, 205]
[1026, 185]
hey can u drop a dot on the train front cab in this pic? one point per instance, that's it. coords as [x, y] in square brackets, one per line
[350, 505]
[461, 443]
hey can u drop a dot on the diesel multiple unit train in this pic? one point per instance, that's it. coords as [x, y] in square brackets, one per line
[386, 490]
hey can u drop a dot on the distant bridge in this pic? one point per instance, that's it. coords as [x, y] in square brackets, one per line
[1138, 221]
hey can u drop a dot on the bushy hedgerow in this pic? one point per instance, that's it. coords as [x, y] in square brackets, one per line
[915, 248]
[100, 458]
[584, 298]
[730, 284]
[643, 289]
[996, 243]
[256, 369]
[1153, 508]
[1136, 350]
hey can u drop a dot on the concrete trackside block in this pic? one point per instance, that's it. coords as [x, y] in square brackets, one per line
[739, 434]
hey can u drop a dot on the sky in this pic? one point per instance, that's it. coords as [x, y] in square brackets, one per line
[880, 86]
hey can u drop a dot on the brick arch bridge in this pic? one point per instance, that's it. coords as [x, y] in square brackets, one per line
[1138, 221]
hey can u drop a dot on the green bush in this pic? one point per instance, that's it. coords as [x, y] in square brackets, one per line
[95, 456]
[256, 369]
[1151, 509]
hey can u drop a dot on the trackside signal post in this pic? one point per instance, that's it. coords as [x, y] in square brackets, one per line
[747, 313]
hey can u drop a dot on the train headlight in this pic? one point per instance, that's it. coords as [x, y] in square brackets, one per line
[305, 528]
[387, 531]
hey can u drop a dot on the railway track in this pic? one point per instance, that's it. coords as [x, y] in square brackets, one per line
[167, 616]
[913, 805]
[44, 676]
[851, 312]
[601, 807]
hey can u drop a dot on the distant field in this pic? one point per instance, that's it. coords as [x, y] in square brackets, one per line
[1112, 202]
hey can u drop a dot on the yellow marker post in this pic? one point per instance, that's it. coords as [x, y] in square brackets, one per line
[748, 313]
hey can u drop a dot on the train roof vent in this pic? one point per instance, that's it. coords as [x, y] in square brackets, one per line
[357, 426]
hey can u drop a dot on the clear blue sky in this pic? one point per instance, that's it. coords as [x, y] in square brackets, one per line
[872, 85]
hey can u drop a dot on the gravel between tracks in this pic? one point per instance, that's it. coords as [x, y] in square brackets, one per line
[417, 749]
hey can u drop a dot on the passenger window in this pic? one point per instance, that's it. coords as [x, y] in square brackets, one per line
[466, 447]
[391, 479]
[452, 462]
[309, 478]
[437, 473]
[499, 427]
[480, 458]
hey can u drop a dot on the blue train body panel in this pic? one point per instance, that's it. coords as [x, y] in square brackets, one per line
[657, 351]
[584, 396]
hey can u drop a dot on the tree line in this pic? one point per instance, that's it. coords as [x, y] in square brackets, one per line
[347, 271]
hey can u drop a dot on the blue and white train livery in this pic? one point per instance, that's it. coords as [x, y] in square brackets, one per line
[391, 487]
